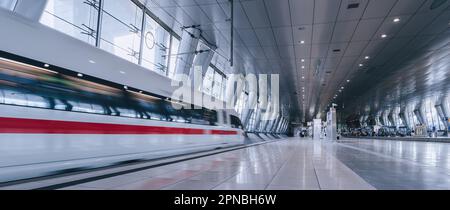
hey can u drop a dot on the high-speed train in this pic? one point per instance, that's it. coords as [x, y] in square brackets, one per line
[67, 105]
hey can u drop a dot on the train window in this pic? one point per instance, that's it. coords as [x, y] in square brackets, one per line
[81, 107]
[15, 98]
[2, 97]
[172, 114]
[235, 122]
[61, 92]
[97, 109]
[36, 101]
[225, 117]
[127, 112]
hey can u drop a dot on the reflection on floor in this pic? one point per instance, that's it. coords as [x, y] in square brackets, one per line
[283, 165]
[299, 164]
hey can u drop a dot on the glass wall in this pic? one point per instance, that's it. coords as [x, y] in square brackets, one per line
[156, 47]
[428, 108]
[121, 29]
[173, 58]
[8, 4]
[214, 83]
[77, 18]
[124, 30]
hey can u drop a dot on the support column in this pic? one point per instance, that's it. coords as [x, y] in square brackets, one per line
[232, 94]
[275, 125]
[186, 52]
[32, 10]
[201, 61]
[252, 100]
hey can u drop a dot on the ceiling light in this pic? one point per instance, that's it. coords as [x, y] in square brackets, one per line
[80, 75]
[122, 72]
[303, 60]
[303, 67]
[396, 20]
[303, 77]
[383, 36]
[46, 65]
[91, 61]
[361, 65]
[340, 91]
[342, 88]
[367, 57]
[302, 42]
[125, 87]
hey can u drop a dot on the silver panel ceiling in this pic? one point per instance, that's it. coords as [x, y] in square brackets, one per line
[410, 61]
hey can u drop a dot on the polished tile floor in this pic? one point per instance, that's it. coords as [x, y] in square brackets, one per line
[300, 164]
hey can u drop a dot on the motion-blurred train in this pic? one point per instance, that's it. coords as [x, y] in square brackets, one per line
[56, 113]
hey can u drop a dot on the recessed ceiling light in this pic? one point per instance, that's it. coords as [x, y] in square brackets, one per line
[396, 20]
[80, 75]
[303, 60]
[367, 57]
[383, 36]
[91, 61]
[302, 42]
[303, 67]
[342, 88]
[46, 65]
[353, 6]
[348, 81]
[303, 77]
[122, 72]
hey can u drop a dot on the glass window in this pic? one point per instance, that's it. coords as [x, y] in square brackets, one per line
[174, 48]
[217, 89]
[121, 29]
[224, 88]
[77, 18]
[8, 4]
[155, 47]
[208, 81]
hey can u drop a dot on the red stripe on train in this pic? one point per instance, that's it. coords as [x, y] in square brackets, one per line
[34, 126]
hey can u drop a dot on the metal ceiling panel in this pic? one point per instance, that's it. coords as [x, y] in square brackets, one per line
[366, 29]
[278, 11]
[406, 7]
[302, 12]
[256, 12]
[343, 31]
[248, 36]
[322, 33]
[346, 14]
[265, 36]
[283, 36]
[215, 13]
[379, 9]
[356, 48]
[326, 11]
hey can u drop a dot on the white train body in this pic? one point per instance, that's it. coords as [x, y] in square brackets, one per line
[30, 153]
[36, 140]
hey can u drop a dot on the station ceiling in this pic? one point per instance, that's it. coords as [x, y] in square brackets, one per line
[356, 53]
